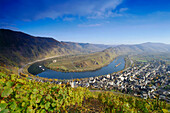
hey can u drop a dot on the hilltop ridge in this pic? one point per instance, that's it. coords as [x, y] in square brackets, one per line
[18, 47]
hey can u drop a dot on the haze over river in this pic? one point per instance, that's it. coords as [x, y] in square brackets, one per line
[111, 68]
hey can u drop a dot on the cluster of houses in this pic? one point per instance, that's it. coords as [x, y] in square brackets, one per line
[146, 80]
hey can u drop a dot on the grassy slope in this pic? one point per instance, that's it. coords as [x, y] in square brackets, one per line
[18, 94]
[82, 62]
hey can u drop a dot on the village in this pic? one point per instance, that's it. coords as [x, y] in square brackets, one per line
[146, 80]
[142, 79]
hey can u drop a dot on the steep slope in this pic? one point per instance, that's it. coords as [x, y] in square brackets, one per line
[19, 94]
[17, 47]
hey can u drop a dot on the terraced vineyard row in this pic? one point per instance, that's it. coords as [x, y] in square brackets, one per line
[18, 94]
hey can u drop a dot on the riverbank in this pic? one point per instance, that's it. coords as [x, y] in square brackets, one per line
[81, 63]
[53, 74]
[74, 75]
[127, 62]
[25, 68]
[80, 70]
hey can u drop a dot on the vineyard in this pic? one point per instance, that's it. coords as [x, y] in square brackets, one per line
[19, 94]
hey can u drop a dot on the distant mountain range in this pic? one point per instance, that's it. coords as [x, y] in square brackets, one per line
[17, 48]
[142, 48]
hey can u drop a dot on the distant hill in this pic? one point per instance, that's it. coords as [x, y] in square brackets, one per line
[93, 61]
[142, 48]
[18, 47]
[86, 47]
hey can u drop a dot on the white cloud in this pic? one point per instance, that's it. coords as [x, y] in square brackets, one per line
[89, 25]
[68, 19]
[87, 8]
[123, 9]
[28, 10]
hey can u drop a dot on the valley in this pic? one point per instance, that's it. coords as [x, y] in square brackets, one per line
[84, 56]
[127, 69]
[110, 68]
[114, 76]
[79, 63]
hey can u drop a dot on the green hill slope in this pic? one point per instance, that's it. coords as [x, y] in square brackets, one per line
[19, 94]
[80, 63]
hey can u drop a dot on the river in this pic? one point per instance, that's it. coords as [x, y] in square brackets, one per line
[72, 75]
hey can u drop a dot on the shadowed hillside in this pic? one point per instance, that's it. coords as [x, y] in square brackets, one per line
[18, 47]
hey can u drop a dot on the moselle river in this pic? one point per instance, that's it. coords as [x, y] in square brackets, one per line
[111, 68]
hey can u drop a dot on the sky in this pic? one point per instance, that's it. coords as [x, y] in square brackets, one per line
[90, 21]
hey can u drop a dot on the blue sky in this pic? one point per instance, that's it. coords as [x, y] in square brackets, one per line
[90, 21]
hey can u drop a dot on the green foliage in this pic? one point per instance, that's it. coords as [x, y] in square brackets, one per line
[126, 104]
[6, 92]
[3, 106]
[23, 95]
